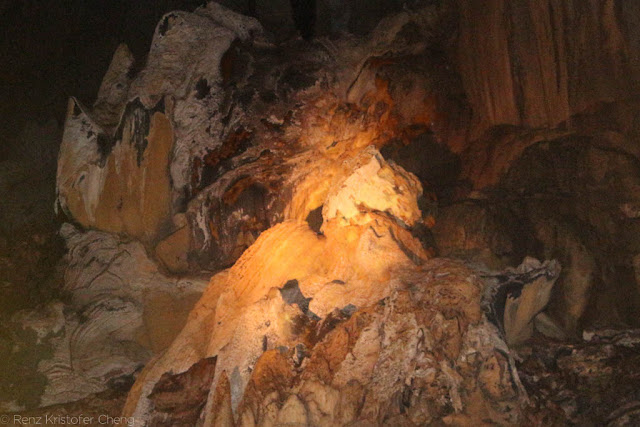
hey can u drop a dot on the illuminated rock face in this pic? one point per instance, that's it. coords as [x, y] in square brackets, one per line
[217, 128]
[375, 185]
[228, 152]
[340, 328]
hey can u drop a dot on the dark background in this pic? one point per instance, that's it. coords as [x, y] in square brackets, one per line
[54, 49]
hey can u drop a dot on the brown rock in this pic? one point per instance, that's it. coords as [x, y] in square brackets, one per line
[372, 365]
[173, 251]
[579, 274]
[539, 64]
[220, 412]
[119, 185]
[164, 316]
[589, 381]
[178, 399]
[267, 390]
[112, 95]
[577, 184]
[479, 231]
[120, 310]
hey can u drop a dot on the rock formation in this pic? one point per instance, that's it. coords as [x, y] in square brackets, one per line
[122, 311]
[379, 229]
[538, 65]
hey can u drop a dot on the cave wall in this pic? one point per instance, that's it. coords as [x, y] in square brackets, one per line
[225, 133]
[532, 63]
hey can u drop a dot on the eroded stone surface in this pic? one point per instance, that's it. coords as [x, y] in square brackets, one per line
[584, 382]
[414, 354]
[539, 64]
[349, 321]
[122, 311]
[117, 183]
[243, 116]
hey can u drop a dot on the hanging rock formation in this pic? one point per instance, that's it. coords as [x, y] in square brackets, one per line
[117, 183]
[233, 128]
[531, 64]
[568, 196]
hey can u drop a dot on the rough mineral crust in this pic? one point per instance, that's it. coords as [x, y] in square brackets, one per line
[516, 297]
[355, 324]
[541, 63]
[122, 311]
[591, 381]
[239, 134]
[124, 165]
[226, 151]
[117, 183]
[337, 329]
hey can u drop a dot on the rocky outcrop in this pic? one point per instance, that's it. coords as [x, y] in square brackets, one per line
[560, 194]
[515, 298]
[348, 323]
[117, 183]
[125, 165]
[373, 338]
[584, 381]
[480, 232]
[233, 152]
[590, 184]
[305, 177]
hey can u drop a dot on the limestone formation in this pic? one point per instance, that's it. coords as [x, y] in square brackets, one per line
[114, 89]
[123, 169]
[523, 63]
[605, 387]
[254, 240]
[368, 332]
[117, 183]
[233, 152]
[122, 312]
[514, 298]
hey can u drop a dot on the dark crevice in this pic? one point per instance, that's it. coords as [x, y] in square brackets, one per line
[315, 219]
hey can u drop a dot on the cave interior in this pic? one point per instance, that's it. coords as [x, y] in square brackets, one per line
[320, 212]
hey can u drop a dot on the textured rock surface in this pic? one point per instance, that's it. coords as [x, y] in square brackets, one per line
[414, 347]
[374, 185]
[117, 183]
[302, 167]
[516, 297]
[242, 117]
[113, 170]
[173, 251]
[478, 232]
[566, 195]
[114, 89]
[348, 325]
[524, 63]
[584, 382]
[122, 311]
